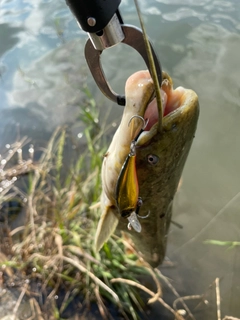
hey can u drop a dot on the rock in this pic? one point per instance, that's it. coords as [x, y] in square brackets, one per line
[8, 301]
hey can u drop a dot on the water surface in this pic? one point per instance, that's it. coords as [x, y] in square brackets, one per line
[42, 71]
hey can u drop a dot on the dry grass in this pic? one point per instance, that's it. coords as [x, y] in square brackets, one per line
[52, 253]
[54, 248]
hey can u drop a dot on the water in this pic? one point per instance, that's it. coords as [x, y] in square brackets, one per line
[42, 69]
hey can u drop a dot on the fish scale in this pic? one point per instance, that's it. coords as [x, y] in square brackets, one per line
[157, 182]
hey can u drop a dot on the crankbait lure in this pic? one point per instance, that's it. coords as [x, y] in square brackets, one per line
[127, 190]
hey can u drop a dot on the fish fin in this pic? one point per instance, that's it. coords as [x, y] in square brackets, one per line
[106, 227]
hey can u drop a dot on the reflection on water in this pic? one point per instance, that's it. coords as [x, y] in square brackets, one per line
[42, 70]
[211, 179]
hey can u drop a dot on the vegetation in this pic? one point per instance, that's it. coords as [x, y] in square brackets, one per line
[51, 257]
[54, 249]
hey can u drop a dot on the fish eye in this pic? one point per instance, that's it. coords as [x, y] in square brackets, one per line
[152, 159]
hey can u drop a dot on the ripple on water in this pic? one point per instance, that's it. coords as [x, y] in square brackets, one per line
[191, 3]
[217, 11]
[182, 13]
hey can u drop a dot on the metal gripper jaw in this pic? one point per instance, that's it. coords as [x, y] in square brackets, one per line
[102, 21]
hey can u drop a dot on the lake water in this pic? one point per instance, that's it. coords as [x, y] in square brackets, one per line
[42, 70]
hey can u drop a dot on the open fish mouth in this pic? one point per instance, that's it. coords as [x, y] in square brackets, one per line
[172, 101]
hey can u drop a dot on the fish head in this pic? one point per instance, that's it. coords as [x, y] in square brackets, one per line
[161, 153]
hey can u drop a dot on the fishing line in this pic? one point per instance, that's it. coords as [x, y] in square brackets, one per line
[152, 68]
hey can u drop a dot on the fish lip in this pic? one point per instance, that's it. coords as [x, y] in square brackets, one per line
[148, 101]
[177, 104]
[180, 104]
[146, 135]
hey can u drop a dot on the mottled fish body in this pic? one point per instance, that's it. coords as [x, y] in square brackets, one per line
[160, 159]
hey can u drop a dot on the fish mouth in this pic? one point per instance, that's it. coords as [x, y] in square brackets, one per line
[173, 103]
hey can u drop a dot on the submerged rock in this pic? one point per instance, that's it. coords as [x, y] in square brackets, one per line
[8, 301]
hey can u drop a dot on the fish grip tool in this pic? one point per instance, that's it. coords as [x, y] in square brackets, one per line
[102, 21]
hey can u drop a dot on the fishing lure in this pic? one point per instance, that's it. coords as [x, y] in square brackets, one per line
[127, 190]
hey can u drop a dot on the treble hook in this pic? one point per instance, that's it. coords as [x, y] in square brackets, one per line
[145, 123]
[133, 218]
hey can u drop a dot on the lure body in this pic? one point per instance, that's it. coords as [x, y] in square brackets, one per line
[127, 190]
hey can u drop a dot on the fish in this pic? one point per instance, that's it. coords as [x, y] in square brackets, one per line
[161, 153]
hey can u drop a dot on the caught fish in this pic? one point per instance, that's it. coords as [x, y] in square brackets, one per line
[160, 157]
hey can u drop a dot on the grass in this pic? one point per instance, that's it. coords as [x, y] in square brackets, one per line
[56, 243]
[229, 244]
[51, 257]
